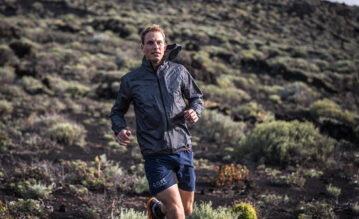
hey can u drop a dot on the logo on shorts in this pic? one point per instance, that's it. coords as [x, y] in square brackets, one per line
[159, 183]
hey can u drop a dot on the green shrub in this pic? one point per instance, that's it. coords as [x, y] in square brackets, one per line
[291, 63]
[7, 75]
[316, 210]
[345, 66]
[4, 211]
[12, 91]
[31, 189]
[282, 142]
[313, 173]
[67, 133]
[29, 208]
[251, 55]
[272, 199]
[67, 88]
[270, 90]
[214, 126]
[95, 175]
[33, 86]
[333, 191]
[131, 214]
[323, 109]
[140, 185]
[5, 108]
[299, 93]
[293, 179]
[227, 95]
[79, 190]
[205, 210]
[116, 146]
[355, 208]
[245, 211]
[7, 56]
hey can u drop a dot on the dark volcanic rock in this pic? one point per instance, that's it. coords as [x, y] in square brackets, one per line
[20, 48]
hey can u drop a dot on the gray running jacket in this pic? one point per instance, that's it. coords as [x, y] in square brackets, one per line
[158, 99]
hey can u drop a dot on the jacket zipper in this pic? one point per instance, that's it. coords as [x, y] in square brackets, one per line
[164, 108]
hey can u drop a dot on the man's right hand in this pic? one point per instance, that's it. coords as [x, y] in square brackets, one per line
[123, 137]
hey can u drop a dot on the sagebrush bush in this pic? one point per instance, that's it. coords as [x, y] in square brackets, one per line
[67, 133]
[31, 189]
[281, 142]
[32, 85]
[140, 185]
[205, 210]
[299, 93]
[95, 175]
[345, 66]
[251, 55]
[7, 75]
[28, 208]
[214, 126]
[131, 214]
[5, 108]
[316, 210]
[227, 95]
[272, 199]
[67, 88]
[333, 191]
[245, 211]
[4, 211]
[78, 190]
[291, 63]
[328, 109]
[252, 110]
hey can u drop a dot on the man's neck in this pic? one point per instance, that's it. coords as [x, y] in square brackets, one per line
[156, 65]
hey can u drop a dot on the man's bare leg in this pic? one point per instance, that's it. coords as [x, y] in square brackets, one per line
[172, 202]
[187, 201]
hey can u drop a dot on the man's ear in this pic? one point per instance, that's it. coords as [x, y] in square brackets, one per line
[141, 46]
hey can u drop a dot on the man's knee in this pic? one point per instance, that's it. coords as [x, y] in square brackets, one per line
[188, 210]
[176, 208]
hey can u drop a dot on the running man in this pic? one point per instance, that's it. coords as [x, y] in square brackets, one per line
[158, 89]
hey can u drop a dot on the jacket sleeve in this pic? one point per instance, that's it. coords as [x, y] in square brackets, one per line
[120, 107]
[192, 92]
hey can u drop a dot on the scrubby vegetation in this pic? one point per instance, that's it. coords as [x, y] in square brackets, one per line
[284, 143]
[280, 81]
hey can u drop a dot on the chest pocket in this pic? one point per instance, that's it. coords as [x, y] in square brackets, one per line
[145, 97]
[149, 111]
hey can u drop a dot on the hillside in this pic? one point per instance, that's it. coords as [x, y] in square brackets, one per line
[280, 82]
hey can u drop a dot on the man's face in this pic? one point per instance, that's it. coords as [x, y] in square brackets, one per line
[154, 47]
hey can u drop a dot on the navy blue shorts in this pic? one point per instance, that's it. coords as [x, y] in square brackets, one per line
[164, 171]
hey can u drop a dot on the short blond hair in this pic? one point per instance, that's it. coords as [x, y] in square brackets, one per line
[152, 28]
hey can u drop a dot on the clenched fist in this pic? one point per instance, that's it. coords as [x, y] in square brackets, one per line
[123, 137]
[190, 116]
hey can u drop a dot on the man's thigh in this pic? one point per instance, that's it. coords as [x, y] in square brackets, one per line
[170, 197]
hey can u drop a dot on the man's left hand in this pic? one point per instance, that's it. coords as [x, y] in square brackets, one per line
[190, 116]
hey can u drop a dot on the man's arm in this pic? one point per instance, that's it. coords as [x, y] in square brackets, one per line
[194, 95]
[120, 108]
